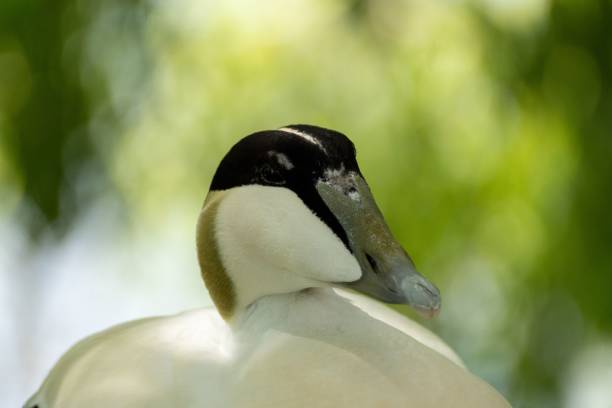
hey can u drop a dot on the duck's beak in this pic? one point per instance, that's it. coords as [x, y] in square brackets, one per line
[388, 273]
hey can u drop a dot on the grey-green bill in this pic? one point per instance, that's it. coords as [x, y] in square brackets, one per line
[388, 273]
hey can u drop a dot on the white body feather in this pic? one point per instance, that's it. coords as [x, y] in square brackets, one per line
[314, 348]
[294, 341]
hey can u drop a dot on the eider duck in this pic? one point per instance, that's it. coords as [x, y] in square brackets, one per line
[296, 256]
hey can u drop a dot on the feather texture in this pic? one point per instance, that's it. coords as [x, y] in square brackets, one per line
[281, 353]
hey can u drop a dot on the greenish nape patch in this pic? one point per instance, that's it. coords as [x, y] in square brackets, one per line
[215, 277]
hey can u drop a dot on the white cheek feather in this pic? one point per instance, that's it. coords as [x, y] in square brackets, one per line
[270, 242]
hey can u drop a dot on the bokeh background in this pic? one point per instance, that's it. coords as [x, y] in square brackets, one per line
[483, 126]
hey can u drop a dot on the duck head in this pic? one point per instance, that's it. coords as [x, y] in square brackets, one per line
[288, 210]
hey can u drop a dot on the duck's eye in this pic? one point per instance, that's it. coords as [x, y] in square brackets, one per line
[271, 175]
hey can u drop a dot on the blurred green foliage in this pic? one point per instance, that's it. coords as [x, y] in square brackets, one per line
[483, 127]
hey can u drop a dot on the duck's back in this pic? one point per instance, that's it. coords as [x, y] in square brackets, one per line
[155, 362]
[328, 351]
[311, 349]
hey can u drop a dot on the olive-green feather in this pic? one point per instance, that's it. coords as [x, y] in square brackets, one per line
[215, 277]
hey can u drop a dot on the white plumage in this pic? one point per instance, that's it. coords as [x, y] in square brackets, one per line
[315, 348]
[291, 337]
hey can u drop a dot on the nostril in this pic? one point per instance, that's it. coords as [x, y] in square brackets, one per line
[429, 291]
[426, 290]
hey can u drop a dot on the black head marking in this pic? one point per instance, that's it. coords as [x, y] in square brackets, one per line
[295, 157]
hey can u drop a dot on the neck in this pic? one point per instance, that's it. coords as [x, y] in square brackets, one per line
[254, 241]
[246, 252]
[287, 307]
